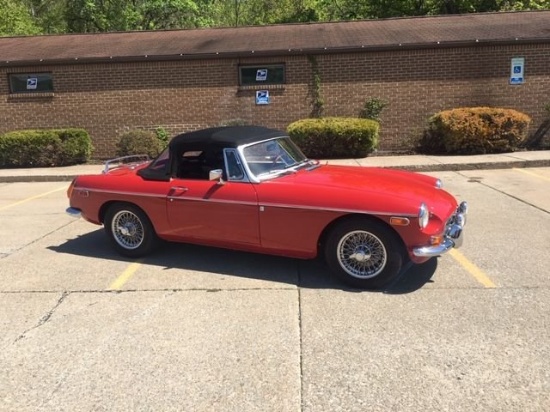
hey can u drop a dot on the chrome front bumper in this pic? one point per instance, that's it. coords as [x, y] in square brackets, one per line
[453, 235]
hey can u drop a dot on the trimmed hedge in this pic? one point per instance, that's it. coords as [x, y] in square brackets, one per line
[333, 137]
[137, 142]
[45, 148]
[475, 130]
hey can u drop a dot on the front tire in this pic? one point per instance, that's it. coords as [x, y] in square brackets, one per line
[130, 230]
[364, 253]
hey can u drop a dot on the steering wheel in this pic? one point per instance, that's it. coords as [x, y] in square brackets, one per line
[277, 159]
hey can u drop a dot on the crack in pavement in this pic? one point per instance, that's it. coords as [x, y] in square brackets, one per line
[175, 290]
[4, 255]
[38, 239]
[505, 193]
[44, 318]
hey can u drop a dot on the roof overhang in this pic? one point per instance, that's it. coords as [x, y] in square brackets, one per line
[274, 53]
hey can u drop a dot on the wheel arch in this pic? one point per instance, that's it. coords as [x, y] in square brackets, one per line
[366, 217]
[105, 206]
[103, 209]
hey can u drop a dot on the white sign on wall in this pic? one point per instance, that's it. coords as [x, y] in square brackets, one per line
[262, 96]
[517, 70]
[261, 75]
[32, 83]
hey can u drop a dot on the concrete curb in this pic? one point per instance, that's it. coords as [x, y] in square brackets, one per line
[37, 178]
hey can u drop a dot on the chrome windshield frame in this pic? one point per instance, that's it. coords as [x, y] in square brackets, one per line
[260, 178]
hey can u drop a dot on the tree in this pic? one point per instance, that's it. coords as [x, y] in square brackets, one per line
[49, 15]
[19, 17]
[256, 12]
[526, 5]
[15, 19]
[465, 6]
[362, 9]
[122, 15]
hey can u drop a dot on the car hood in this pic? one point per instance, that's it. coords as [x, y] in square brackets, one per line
[375, 190]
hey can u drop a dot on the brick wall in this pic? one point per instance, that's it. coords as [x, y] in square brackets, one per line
[108, 99]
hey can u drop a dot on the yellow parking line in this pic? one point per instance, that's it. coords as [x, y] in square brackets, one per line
[527, 172]
[32, 198]
[472, 269]
[126, 275]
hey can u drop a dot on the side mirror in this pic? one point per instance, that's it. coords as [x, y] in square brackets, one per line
[216, 174]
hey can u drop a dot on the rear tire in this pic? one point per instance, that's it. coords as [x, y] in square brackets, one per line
[130, 230]
[364, 253]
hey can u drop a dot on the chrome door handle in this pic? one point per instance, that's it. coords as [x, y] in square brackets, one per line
[178, 190]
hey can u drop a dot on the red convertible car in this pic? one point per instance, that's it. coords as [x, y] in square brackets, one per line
[250, 188]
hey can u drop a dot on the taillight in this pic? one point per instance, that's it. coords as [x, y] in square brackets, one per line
[71, 188]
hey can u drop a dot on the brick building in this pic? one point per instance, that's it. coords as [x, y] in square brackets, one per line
[187, 79]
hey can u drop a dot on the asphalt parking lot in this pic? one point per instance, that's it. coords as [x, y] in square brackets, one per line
[201, 329]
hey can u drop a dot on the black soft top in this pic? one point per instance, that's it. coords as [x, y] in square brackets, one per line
[226, 136]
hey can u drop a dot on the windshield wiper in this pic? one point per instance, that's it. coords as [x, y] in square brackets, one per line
[309, 164]
[277, 172]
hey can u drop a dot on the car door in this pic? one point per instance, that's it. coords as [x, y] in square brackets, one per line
[218, 212]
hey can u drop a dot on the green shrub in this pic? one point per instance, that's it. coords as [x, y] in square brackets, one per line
[372, 109]
[44, 148]
[332, 137]
[475, 130]
[162, 135]
[77, 146]
[235, 122]
[136, 142]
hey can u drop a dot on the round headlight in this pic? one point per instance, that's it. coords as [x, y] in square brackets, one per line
[423, 216]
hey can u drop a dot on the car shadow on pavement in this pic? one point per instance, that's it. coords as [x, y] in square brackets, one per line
[312, 274]
[315, 275]
[412, 278]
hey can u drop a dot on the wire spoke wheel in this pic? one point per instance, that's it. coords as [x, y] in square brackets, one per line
[361, 254]
[130, 230]
[364, 252]
[127, 229]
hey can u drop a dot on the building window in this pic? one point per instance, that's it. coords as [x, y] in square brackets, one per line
[261, 75]
[31, 83]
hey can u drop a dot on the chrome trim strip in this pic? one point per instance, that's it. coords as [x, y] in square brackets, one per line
[329, 209]
[200, 199]
[116, 192]
[277, 205]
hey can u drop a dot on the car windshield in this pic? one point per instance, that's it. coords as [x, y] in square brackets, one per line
[161, 162]
[274, 157]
